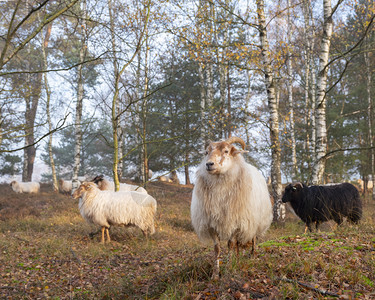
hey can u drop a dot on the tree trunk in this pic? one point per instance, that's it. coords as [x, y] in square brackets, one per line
[32, 101]
[79, 103]
[290, 97]
[48, 96]
[307, 58]
[369, 118]
[202, 106]
[320, 114]
[115, 115]
[144, 115]
[279, 207]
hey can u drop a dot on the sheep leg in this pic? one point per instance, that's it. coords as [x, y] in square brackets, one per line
[103, 229]
[317, 223]
[253, 245]
[233, 245]
[108, 237]
[215, 273]
[308, 226]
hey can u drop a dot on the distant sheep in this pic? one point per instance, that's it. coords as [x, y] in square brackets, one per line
[106, 208]
[106, 185]
[317, 203]
[173, 177]
[25, 187]
[65, 186]
[164, 178]
[230, 199]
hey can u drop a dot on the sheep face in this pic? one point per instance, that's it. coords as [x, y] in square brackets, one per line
[84, 187]
[219, 156]
[98, 179]
[292, 192]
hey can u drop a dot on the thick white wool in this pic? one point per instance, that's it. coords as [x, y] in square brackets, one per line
[106, 185]
[25, 187]
[106, 208]
[235, 203]
[65, 186]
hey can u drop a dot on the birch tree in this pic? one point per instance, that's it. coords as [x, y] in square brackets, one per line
[115, 116]
[48, 104]
[369, 116]
[290, 94]
[14, 41]
[321, 100]
[279, 207]
[80, 96]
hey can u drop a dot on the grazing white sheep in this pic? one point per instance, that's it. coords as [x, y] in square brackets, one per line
[65, 186]
[25, 187]
[164, 178]
[106, 185]
[230, 199]
[106, 208]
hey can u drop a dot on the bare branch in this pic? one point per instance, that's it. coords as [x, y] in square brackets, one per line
[58, 127]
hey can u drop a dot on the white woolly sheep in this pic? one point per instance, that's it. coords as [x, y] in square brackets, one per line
[106, 208]
[25, 187]
[230, 199]
[65, 186]
[164, 178]
[106, 185]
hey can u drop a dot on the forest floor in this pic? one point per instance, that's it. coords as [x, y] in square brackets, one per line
[46, 252]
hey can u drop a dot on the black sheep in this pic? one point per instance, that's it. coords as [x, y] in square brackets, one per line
[317, 203]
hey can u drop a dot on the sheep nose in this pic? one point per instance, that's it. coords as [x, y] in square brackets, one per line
[209, 165]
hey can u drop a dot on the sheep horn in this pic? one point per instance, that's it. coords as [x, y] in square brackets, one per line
[235, 139]
[298, 184]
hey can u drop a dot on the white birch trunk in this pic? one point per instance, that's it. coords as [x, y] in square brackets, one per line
[210, 85]
[369, 117]
[290, 97]
[311, 37]
[79, 105]
[307, 57]
[321, 129]
[279, 207]
[48, 111]
[144, 162]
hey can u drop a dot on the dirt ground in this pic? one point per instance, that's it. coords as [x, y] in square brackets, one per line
[47, 252]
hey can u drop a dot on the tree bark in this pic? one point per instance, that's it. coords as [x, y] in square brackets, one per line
[279, 207]
[369, 118]
[115, 116]
[48, 110]
[79, 103]
[290, 97]
[320, 113]
[144, 115]
[32, 97]
[202, 106]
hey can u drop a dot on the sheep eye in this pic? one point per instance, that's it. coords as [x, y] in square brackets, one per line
[226, 151]
[206, 153]
[294, 189]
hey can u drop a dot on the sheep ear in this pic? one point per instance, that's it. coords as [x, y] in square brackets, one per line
[235, 151]
[297, 185]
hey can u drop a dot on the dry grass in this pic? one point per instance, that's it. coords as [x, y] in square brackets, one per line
[46, 252]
